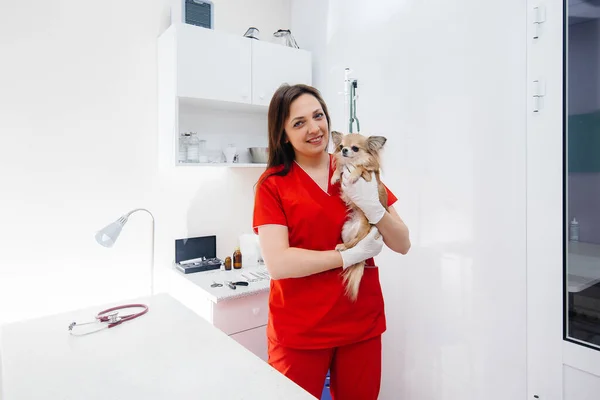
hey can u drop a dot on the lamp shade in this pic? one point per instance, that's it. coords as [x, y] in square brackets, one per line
[108, 235]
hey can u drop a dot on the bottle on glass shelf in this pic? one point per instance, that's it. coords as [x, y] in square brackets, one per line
[574, 230]
[193, 148]
[183, 143]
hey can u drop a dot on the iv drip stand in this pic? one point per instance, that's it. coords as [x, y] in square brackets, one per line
[350, 95]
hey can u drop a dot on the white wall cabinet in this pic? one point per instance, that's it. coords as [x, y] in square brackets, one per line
[273, 65]
[213, 66]
[203, 73]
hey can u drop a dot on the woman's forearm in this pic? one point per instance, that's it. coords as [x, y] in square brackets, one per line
[294, 262]
[394, 231]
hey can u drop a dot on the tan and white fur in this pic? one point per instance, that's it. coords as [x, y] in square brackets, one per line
[362, 153]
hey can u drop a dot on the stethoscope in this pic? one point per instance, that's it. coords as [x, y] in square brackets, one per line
[111, 317]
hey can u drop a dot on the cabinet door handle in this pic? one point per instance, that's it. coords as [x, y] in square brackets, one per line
[255, 310]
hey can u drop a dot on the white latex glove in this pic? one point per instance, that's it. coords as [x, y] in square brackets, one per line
[365, 195]
[368, 247]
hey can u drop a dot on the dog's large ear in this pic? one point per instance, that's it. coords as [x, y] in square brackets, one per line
[337, 138]
[375, 143]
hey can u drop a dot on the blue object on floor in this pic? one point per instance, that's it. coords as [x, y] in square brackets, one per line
[326, 395]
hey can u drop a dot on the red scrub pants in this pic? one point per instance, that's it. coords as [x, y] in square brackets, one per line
[355, 369]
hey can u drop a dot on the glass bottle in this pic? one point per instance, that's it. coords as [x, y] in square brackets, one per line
[193, 148]
[227, 263]
[237, 258]
[183, 142]
[202, 155]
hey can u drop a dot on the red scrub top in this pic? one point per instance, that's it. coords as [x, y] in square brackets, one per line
[313, 312]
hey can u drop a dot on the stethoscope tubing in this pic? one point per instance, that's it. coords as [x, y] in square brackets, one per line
[106, 318]
[111, 318]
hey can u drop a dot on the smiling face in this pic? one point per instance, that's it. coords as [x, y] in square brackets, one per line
[306, 127]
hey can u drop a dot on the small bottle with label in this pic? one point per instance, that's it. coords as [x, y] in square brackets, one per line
[574, 230]
[237, 258]
[227, 263]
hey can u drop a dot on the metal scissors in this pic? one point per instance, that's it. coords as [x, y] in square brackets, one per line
[232, 285]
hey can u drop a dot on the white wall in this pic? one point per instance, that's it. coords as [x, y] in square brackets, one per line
[78, 133]
[446, 84]
[236, 16]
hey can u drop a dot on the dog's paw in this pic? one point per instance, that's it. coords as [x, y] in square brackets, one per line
[353, 179]
[340, 247]
[366, 176]
[335, 179]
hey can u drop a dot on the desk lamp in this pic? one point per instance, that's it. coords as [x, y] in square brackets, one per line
[109, 234]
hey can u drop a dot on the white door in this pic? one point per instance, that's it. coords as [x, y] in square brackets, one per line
[213, 65]
[563, 184]
[273, 65]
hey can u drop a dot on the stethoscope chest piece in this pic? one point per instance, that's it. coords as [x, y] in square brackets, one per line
[113, 317]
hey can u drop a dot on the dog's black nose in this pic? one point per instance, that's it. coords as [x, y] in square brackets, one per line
[344, 151]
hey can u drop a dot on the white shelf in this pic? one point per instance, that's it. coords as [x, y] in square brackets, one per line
[222, 105]
[231, 165]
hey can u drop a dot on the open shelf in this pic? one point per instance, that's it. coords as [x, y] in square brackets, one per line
[221, 105]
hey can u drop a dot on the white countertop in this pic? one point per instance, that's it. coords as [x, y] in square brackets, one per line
[256, 276]
[583, 265]
[584, 249]
[169, 353]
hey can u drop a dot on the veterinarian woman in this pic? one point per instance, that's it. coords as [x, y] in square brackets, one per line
[298, 215]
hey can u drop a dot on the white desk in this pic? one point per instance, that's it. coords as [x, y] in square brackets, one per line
[257, 276]
[169, 353]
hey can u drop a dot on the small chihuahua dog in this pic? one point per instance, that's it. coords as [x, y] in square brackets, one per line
[362, 153]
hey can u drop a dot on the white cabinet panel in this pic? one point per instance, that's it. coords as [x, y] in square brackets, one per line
[240, 314]
[213, 65]
[254, 340]
[273, 65]
[579, 385]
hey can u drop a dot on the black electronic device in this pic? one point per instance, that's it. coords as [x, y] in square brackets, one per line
[196, 254]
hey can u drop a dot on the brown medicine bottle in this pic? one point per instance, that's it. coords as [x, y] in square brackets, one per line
[237, 258]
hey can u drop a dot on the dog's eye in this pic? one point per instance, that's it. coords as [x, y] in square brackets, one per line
[341, 146]
[355, 149]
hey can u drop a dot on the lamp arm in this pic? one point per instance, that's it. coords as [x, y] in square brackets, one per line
[152, 257]
[139, 209]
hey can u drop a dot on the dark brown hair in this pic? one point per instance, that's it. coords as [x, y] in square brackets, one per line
[280, 152]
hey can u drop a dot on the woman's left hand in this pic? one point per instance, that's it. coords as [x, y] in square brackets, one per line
[365, 195]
